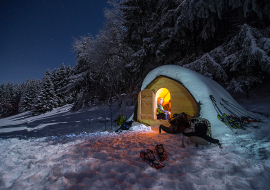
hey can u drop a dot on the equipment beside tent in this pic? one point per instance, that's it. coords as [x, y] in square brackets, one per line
[124, 126]
[120, 120]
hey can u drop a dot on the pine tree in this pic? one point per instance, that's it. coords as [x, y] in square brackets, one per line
[239, 64]
[60, 82]
[100, 71]
[30, 96]
[46, 99]
[69, 95]
[248, 59]
[9, 99]
[54, 77]
[29, 91]
[168, 31]
[24, 104]
[5, 97]
[16, 96]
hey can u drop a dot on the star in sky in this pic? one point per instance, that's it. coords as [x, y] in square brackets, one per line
[39, 34]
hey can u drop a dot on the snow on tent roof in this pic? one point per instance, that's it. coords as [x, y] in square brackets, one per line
[200, 87]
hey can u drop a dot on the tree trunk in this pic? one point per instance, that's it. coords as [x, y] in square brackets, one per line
[247, 94]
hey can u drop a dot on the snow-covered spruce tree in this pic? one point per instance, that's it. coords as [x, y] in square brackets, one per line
[46, 98]
[29, 92]
[5, 105]
[60, 82]
[139, 18]
[241, 63]
[55, 80]
[180, 31]
[266, 32]
[161, 23]
[212, 22]
[164, 32]
[17, 92]
[248, 59]
[32, 92]
[9, 99]
[54, 77]
[100, 71]
[98, 81]
[23, 104]
[69, 95]
[80, 82]
[38, 85]
[210, 65]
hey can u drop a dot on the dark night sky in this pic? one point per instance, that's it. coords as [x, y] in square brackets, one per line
[38, 34]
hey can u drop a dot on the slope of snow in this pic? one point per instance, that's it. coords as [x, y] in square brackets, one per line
[26, 117]
[103, 160]
[111, 161]
[76, 153]
[200, 87]
[62, 121]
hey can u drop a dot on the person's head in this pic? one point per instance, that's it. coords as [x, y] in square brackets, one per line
[160, 100]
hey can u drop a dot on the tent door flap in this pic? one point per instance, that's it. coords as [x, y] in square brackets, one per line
[146, 105]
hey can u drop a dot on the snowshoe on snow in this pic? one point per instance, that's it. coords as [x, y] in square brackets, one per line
[161, 153]
[149, 157]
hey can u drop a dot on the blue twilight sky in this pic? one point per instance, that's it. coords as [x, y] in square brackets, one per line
[36, 35]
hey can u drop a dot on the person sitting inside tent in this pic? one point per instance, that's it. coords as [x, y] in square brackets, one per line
[161, 112]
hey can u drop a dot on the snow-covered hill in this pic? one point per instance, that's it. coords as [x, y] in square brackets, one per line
[86, 157]
[62, 121]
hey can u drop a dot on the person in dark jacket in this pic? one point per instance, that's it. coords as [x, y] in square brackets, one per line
[201, 131]
[179, 122]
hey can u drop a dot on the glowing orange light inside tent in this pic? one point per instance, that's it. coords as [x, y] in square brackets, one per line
[165, 94]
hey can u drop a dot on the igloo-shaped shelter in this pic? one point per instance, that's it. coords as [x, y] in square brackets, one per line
[187, 91]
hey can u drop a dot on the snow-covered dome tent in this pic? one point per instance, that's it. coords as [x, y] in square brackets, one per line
[188, 91]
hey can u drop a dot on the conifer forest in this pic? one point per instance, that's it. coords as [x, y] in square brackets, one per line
[225, 40]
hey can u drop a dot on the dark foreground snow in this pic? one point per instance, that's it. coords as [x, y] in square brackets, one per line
[111, 161]
[103, 160]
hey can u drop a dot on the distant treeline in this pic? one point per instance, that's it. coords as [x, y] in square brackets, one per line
[37, 96]
[228, 41]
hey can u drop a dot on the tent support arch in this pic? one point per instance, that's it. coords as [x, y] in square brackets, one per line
[181, 101]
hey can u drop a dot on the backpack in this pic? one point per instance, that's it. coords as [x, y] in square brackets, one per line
[201, 128]
[125, 126]
[201, 125]
[120, 120]
[180, 122]
[172, 120]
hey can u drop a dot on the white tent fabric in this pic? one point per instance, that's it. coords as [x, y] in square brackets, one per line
[200, 87]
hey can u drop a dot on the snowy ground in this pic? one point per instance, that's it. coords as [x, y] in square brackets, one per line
[103, 160]
[62, 121]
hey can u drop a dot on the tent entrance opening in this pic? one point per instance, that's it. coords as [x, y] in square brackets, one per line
[165, 94]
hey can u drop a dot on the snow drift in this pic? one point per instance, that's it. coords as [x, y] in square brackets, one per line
[103, 160]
